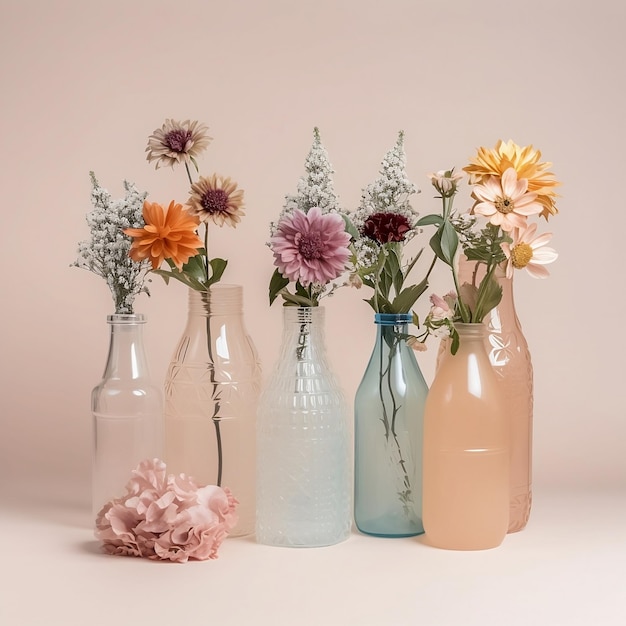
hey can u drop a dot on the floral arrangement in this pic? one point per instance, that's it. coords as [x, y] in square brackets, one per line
[309, 241]
[166, 517]
[106, 254]
[383, 224]
[171, 234]
[510, 184]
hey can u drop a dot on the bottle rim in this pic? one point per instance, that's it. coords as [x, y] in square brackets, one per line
[392, 319]
[126, 318]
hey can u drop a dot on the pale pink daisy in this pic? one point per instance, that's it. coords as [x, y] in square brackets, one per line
[529, 251]
[506, 201]
[311, 247]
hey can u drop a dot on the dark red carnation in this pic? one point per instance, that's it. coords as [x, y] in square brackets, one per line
[386, 227]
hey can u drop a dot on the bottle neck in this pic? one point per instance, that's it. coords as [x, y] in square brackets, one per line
[504, 313]
[304, 331]
[219, 300]
[127, 357]
[391, 328]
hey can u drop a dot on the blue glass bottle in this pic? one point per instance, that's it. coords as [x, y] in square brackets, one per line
[389, 411]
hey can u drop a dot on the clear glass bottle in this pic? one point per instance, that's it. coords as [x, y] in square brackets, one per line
[212, 388]
[388, 413]
[127, 410]
[466, 450]
[304, 461]
[510, 357]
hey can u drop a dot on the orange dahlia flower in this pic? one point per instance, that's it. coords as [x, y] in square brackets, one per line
[168, 234]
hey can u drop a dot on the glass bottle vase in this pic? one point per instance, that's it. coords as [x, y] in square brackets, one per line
[466, 450]
[127, 410]
[388, 413]
[212, 388]
[304, 464]
[510, 357]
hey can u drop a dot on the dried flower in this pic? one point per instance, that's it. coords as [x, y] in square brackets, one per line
[177, 142]
[315, 187]
[383, 223]
[510, 185]
[309, 240]
[167, 234]
[166, 517]
[311, 247]
[216, 199]
[106, 253]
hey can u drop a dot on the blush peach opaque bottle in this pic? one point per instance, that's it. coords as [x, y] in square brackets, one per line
[466, 450]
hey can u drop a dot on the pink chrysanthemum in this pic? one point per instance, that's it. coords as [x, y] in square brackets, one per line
[506, 201]
[529, 251]
[311, 247]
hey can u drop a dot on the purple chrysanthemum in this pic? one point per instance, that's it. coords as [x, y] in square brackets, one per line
[311, 247]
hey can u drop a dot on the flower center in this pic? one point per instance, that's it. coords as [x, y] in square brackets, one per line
[215, 201]
[504, 205]
[177, 139]
[521, 255]
[309, 245]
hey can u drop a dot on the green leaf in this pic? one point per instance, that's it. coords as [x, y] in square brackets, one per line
[413, 262]
[445, 242]
[195, 268]
[277, 283]
[190, 281]
[455, 342]
[217, 269]
[392, 268]
[350, 227]
[403, 302]
[294, 300]
[427, 220]
[489, 296]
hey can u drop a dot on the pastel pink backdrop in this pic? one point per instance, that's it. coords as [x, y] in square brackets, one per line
[84, 84]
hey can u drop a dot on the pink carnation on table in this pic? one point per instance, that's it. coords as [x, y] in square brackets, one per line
[166, 517]
[311, 247]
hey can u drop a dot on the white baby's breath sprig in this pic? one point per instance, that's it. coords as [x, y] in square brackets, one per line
[106, 252]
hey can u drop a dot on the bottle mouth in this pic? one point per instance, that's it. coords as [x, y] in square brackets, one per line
[126, 318]
[392, 319]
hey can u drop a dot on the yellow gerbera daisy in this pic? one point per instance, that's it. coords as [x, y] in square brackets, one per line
[525, 161]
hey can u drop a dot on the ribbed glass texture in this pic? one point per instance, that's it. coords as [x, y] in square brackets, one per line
[510, 357]
[212, 388]
[389, 412]
[304, 460]
[127, 410]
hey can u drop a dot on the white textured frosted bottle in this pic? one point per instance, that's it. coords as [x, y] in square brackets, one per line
[303, 443]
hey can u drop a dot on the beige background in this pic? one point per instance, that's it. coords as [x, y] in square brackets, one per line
[83, 84]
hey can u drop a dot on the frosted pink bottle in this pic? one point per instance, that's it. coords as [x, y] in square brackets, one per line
[510, 358]
[466, 450]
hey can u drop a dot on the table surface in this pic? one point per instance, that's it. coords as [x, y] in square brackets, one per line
[568, 567]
